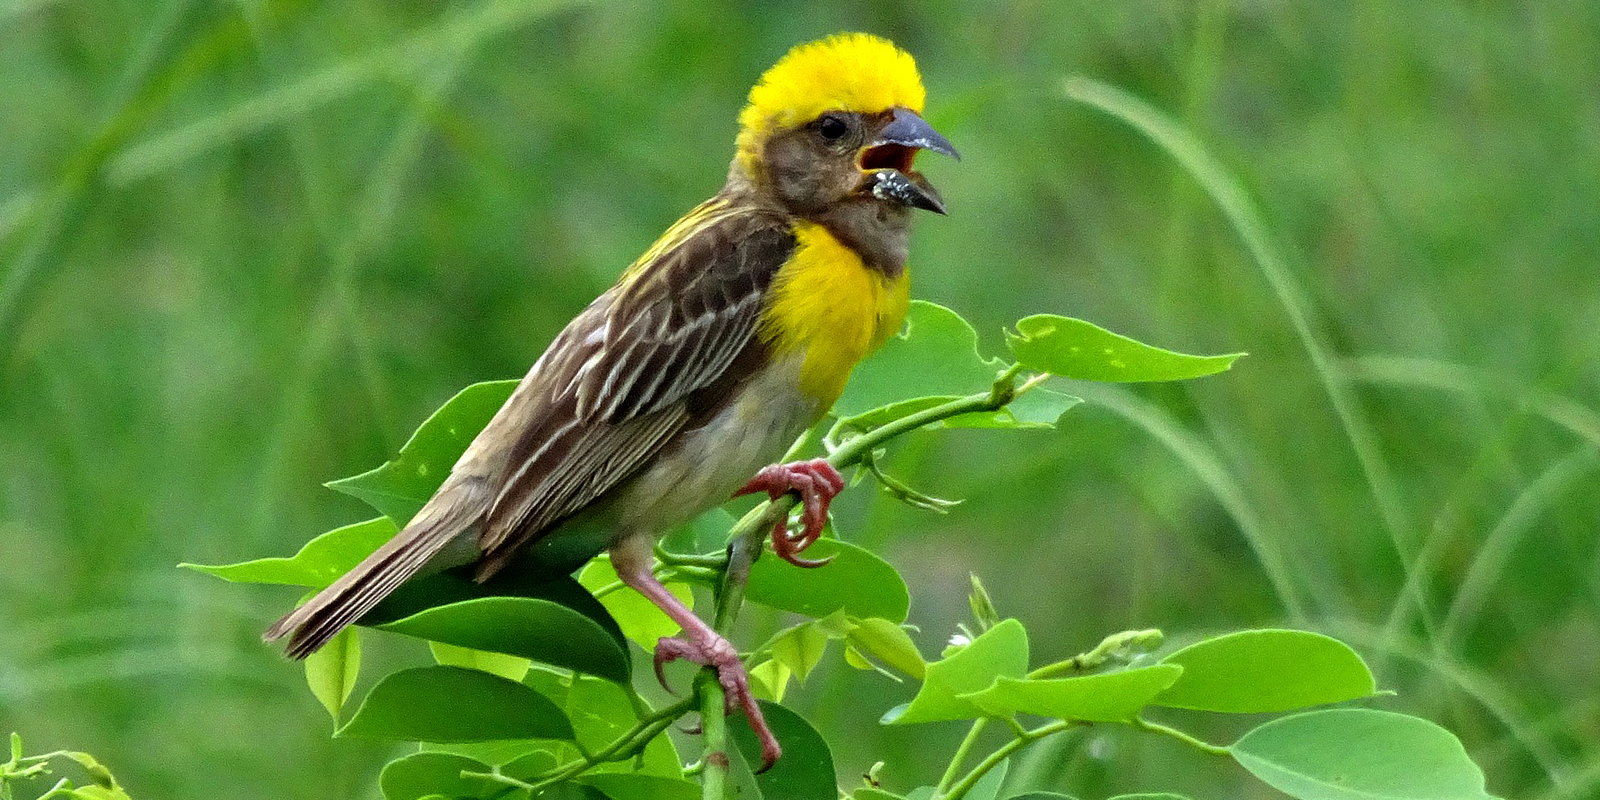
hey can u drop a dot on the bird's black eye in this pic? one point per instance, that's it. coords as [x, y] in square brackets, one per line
[832, 127]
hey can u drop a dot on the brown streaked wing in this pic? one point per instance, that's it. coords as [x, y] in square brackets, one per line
[616, 395]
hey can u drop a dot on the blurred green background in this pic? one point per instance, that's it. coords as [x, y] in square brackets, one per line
[246, 247]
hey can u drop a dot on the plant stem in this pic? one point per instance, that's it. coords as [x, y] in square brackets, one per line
[1155, 727]
[960, 756]
[622, 748]
[1110, 647]
[749, 532]
[993, 760]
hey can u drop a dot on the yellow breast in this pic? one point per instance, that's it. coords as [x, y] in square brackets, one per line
[830, 305]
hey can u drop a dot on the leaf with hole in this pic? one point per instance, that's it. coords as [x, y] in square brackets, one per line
[1268, 670]
[400, 487]
[1000, 652]
[856, 581]
[539, 630]
[1360, 754]
[1106, 697]
[1082, 350]
[453, 704]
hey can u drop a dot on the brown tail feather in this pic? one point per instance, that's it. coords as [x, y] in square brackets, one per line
[443, 520]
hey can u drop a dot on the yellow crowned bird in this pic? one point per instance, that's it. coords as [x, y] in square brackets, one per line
[726, 340]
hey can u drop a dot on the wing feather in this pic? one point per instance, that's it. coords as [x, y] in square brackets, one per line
[619, 390]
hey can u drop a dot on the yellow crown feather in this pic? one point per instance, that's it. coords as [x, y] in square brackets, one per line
[845, 72]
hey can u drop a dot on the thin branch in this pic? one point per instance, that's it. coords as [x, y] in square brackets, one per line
[993, 760]
[1205, 747]
[622, 748]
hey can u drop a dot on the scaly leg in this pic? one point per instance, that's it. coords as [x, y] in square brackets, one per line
[700, 643]
[817, 483]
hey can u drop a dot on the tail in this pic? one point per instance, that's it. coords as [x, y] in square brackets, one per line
[456, 507]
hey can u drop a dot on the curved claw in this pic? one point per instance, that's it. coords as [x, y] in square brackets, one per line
[719, 654]
[817, 482]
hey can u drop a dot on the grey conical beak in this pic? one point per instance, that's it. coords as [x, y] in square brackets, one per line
[907, 129]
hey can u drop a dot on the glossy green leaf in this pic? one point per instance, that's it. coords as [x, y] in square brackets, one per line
[806, 770]
[331, 671]
[1360, 754]
[1042, 796]
[936, 354]
[1001, 652]
[512, 668]
[856, 581]
[1076, 349]
[889, 643]
[422, 774]
[452, 704]
[1266, 671]
[540, 630]
[320, 562]
[641, 620]
[633, 786]
[400, 487]
[1107, 697]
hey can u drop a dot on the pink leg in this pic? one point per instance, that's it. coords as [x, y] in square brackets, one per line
[817, 483]
[700, 644]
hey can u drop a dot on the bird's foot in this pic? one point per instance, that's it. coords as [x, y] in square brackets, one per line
[817, 483]
[718, 653]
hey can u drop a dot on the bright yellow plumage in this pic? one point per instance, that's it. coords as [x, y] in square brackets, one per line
[844, 72]
[829, 304]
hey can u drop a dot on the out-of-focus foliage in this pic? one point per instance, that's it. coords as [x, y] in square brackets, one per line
[245, 248]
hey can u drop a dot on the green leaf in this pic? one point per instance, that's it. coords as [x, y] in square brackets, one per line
[889, 643]
[320, 562]
[1076, 349]
[1046, 796]
[769, 680]
[540, 630]
[452, 704]
[1039, 408]
[1107, 697]
[869, 793]
[626, 786]
[1360, 754]
[860, 583]
[640, 620]
[1001, 652]
[331, 671]
[512, 668]
[421, 774]
[937, 354]
[988, 787]
[799, 648]
[400, 487]
[602, 711]
[1150, 796]
[806, 770]
[1268, 670]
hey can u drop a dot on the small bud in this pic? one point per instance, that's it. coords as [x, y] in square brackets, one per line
[982, 607]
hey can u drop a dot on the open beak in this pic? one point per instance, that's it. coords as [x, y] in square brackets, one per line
[887, 161]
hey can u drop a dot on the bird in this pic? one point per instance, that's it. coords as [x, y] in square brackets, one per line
[680, 386]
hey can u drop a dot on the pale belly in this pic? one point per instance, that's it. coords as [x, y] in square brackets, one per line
[707, 465]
